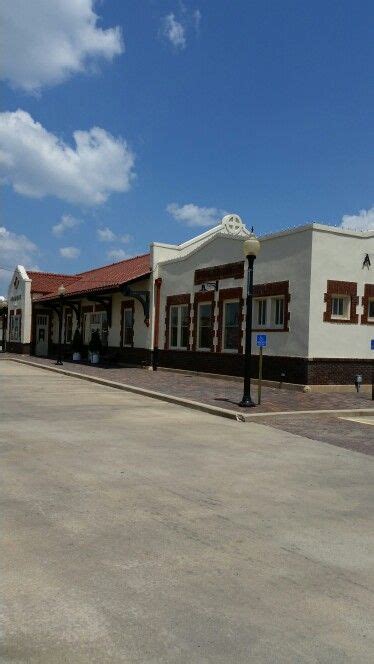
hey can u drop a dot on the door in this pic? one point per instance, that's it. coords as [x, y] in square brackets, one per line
[41, 345]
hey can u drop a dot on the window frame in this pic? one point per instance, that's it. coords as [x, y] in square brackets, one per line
[124, 310]
[12, 319]
[179, 326]
[224, 303]
[210, 304]
[257, 301]
[346, 299]
[370, 317]
[273, 306]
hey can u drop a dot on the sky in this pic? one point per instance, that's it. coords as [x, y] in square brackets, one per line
[130, 121]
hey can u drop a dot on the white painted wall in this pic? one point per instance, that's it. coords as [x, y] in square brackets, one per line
[20, 298]
[283, 257]
[338, 255]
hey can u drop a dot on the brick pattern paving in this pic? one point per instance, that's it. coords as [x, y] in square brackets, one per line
[327, 429]
[214, 391]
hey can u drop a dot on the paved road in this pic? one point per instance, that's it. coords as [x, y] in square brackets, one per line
[136, 531]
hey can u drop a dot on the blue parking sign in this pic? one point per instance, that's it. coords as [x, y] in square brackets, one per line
[261, 341]
[372, 344]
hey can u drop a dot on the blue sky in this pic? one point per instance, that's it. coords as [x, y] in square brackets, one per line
[260, 108]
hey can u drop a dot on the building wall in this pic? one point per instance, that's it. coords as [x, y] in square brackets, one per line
[19, 301]
[283, 258]
[339, 256]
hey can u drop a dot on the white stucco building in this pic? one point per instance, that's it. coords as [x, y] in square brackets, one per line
[183, 306]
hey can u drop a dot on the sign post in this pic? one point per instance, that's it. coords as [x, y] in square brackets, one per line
[261, 342]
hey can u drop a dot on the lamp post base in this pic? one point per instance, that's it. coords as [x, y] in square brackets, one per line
[247, 402]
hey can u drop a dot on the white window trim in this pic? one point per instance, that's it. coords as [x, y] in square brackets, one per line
[201, 304]
[256, 325]
[370, 318]
[12, 319]
[124, 327]
[228, 350]
[270, 323]
[273, 324]
[343, 316]
[179, 327]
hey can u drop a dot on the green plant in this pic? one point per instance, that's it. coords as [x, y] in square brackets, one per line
[95, 344]
[77, 342]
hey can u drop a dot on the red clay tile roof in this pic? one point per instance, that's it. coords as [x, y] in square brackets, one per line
[102, 278]
[47, 282]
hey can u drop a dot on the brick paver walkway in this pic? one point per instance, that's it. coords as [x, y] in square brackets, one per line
[326, 428]
[214, 391]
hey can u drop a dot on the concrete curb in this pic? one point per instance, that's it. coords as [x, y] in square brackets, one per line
[188, 403]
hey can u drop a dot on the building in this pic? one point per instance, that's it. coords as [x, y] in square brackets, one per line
[3, 322]
[183, 306]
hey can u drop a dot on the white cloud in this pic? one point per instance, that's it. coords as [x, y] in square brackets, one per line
[193, 215]
[47, 41]
[37, 163]
[197, 19]
[67, 222]
[14, 250]
[117, 254]
[107, 235]
[70, 252]
[364, 221]
[174, 31]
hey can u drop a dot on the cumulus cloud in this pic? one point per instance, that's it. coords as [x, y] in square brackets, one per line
[117, 254]
[14, 250]
[174, 31]
[47, 41]
[106, 235]
[37, 163]
[70, 252]
[363, 221]
[194, 215]
[67, 222]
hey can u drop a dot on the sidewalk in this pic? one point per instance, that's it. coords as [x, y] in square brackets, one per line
[220, 393]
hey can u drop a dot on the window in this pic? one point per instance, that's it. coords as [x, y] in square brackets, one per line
[371, 309]
[261, 316]
[128, 326]
[278, 312]
[340, 306]
[15, 328]
[179, 326]
[205, 330]
[96, 321]
[68, 328]
[231, 325]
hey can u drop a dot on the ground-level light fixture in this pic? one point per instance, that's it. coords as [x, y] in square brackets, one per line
[251, 248]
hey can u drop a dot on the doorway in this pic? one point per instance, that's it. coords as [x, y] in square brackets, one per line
[41, 345]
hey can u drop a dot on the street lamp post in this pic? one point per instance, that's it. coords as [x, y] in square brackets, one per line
[61, 293]
[251, 248]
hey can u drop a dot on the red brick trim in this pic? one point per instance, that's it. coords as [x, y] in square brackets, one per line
[217, 272]
[341, 288]
[182, 298]
[205, 296]
[368, 293]
[230, 294]
[126, 304]
[274, 289]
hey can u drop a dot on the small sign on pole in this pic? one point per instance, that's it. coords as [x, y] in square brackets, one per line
[372, 344]
[261, 342]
